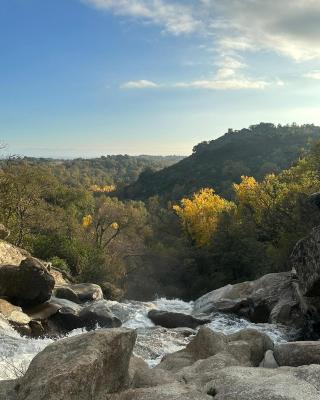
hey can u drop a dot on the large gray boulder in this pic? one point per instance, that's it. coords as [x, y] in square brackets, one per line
[295, 354]
[272, 298]
[240, 383]
[173, 320]
[247, 347]
[305, 259]
[27, 284]
[171, 391]
[83, 367]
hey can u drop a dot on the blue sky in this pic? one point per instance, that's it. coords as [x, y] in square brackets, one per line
[94, 77]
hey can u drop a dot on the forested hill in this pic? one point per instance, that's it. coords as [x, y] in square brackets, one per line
[117, 170]
[256, 151]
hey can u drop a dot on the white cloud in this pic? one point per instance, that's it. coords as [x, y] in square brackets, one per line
[225, 84]
[175, 18]
[141, 84]
[313, 74]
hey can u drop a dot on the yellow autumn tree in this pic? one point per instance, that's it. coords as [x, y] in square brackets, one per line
[200, 215]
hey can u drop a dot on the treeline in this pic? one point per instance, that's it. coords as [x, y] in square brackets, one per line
[115, 170]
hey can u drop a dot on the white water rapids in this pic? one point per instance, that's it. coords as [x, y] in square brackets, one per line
[152, 344]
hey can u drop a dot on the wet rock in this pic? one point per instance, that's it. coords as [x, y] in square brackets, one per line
[272, 298]
[240, 383]
[168, 319]
[295, 354]
[269, 361]
[99, 313]
[43, 311]
[82, 367]
[28, 284]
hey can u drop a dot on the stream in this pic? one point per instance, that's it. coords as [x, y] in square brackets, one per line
[152, 344]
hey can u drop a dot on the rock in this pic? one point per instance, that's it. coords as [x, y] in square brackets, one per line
[305, 259]
[64, 303]
[202, 371]
[99, 313]
[28, 284]
[168, 319]
[258, 343]
[269, 361]
[111, 292]
[295, 354]
[256, 300]
[172, 391]
[11, 255]
[7, 390]
[240, 383]
[82, 367]
[13, 314]
[86, 291]
[43, 311]
[65, 292]
[248, 347]
[143, 376]
[4, 232]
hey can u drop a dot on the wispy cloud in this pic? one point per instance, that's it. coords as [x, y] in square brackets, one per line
[313, 74]
[175, 18]
[141, 84]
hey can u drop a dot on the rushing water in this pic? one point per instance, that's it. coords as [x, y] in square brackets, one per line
[152, 344]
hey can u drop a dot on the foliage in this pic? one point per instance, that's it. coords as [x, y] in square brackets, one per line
[201, 215]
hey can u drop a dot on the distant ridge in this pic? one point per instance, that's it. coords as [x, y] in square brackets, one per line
[255, 151]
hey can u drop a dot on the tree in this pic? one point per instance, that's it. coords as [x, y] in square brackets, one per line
[200, 215]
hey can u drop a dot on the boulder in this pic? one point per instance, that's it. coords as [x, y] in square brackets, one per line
[305, 259]
[86, 291]
[28, 284]
[269, 361]
[99, 313]
[295, 354]
[7, 390]
[247, 347]
[241, 383]
[142, 376]
[65, 292]
[13, 314]
[256, 300]
[82, 367]
[168, 319]
[111, 292]
[171, 391]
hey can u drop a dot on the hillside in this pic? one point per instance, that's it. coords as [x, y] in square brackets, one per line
[260, 149]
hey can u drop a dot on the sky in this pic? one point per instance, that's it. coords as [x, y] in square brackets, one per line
[95, 77]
